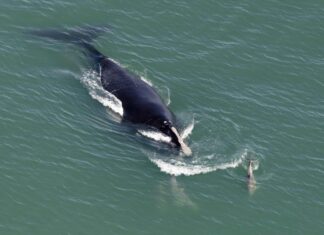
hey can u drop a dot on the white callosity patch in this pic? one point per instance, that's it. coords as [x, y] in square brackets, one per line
[159, 136]
[155, 135]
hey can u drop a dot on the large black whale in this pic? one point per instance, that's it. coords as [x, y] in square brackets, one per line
[141, 103]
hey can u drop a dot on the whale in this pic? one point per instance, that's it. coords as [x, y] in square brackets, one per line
[141, 103]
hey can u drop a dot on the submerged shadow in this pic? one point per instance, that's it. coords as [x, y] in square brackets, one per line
[173, 193]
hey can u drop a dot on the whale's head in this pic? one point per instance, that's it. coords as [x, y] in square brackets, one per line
[168, 129]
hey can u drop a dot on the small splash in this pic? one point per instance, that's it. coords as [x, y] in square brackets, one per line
[188, 130]
[91, 81]
[165, 93]
[168, 99]
[250, 156]
[255, 165]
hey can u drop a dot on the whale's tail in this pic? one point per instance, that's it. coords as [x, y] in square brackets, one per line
[82, 36]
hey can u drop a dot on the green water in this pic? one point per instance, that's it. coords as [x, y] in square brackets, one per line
[245, 78]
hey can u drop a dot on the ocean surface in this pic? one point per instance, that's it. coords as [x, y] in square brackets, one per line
[244, 78]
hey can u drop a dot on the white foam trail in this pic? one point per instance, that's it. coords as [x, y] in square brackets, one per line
[116, 62]
[155, 135]
[182, 168]
[188, 130]
[146, 81]
[92, 82]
